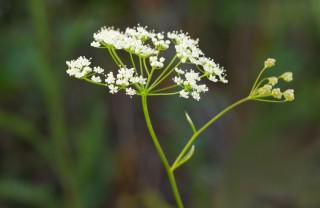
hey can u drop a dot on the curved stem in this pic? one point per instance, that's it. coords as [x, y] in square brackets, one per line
[204, 127]
[161, 153]
[270, 101]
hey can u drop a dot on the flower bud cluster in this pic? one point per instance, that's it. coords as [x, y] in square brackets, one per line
[267, 90]
[270, 62]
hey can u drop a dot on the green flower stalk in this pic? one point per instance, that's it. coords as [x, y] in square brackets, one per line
[146, 72]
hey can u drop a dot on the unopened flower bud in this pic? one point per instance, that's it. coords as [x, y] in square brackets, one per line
[289, 95]
[276, 93]
[270, 62]
[287, 76]
[273, 80]
[265, 90]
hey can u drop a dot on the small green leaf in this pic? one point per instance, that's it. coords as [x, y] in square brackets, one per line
[186, 157]
[191, 123]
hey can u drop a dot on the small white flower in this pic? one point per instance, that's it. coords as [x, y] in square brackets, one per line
[113, 89]
[96, 78]
[179, 71]
[155, 63]
[195, 95]
[110, 78]
[138, 80]
[184, 94]
[201, 88]
[98, 69]
[130, 92]
[213, 78]
[177, 80]
[95, 44]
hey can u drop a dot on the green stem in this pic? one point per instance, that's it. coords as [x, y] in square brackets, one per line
[165, 70]
[156, 83]
[117, 57]
[113, 57]
[145, 66]
[162, 94]
[270, 101]
[255, 83]
[150, 77]
[165, 88]
[258, 85]
[161, 153]
[204, 127]
[133, 64]
[199, 69]
[97, 83]
[141, 68]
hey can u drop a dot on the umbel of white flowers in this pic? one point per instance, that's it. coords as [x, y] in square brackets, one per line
[146, 45]
[150, 71]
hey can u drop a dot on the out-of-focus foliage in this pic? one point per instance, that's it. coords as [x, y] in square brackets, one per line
[65, 143]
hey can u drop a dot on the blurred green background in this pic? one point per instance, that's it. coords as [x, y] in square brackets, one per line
[68, 143]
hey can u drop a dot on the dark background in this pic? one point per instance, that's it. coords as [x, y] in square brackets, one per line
[68, 143]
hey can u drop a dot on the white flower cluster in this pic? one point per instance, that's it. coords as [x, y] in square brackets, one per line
[132, 40]
[123, 80]
[188, 51]
[189, 84]
[155, 62]
[147, 45]
[79, 67]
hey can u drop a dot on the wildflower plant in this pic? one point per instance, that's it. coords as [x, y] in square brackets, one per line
[149, 74]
